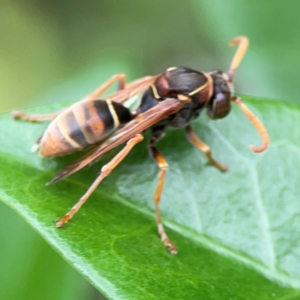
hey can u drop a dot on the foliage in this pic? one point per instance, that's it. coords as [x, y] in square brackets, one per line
[236, 232]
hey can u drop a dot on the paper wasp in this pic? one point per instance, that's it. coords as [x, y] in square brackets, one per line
[171, 99]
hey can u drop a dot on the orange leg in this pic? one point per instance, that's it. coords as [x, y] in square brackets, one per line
[195, 141]
[100, 90]
[257, 124]
[94, 95]
[105, 171]
[243, 43]
[17, 114]
[163, 165]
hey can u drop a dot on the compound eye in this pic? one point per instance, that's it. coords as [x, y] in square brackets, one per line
[219, 107]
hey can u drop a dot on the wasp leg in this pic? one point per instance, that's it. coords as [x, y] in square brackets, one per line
[17, 114]
[94, 95]
[100, 90]
[163, 165]
[105, 171]
[195, 141]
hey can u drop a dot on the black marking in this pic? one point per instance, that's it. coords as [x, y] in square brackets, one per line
[87, 117]
[148, 101]
[75, 132]
[104, 114]
[123, 113]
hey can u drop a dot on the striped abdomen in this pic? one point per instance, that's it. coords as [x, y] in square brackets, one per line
[83, 124]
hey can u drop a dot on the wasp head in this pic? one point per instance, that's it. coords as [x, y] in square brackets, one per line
[220, 104]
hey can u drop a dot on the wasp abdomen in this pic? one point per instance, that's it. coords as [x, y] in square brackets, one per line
[83, 124]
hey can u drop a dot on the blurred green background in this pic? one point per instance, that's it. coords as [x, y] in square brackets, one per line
[54, 51]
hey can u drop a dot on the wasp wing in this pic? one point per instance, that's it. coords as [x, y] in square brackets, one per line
[132, 89]
[142, 122]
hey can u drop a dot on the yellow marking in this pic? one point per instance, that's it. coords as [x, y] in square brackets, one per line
[171, 69]
[154, 90]
[210, 85]
[113, 112]
[63, 128]
[185, 98]
[198, 89]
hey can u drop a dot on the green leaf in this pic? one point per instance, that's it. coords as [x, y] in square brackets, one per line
[30, 268]
[237, 233]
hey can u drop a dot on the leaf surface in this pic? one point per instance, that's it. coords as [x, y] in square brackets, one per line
[237, 233]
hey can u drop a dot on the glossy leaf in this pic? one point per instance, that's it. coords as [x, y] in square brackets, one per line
[237, 233]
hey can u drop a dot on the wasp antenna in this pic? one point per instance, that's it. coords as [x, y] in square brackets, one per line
[240, 52]
[257, 123]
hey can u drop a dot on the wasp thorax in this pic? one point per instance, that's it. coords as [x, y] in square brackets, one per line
[220, 103]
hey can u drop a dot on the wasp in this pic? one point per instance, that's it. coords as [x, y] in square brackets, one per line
[170, 99]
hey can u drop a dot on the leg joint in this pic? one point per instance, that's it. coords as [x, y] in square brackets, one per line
[163, 167]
